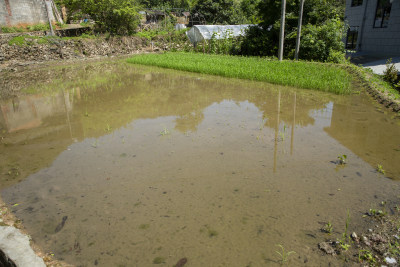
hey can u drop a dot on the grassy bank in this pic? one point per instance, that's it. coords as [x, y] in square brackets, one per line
[299, 74]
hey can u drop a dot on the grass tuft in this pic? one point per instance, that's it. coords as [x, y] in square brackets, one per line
[300, 74]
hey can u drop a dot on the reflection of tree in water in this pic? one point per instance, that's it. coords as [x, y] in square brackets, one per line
[116, 94]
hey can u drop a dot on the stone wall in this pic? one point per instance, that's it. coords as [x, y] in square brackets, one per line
[37, 48]
[16, 12]
[57, 48]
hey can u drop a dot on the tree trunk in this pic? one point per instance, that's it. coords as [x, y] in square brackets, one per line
[296, 54]
[282, 32]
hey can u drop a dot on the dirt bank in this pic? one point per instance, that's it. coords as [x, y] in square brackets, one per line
[365, 80]
[23, 49]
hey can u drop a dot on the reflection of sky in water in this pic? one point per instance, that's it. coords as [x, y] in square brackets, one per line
[230, 164]
[323, 116]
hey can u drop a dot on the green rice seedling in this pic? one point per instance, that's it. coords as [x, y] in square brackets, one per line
[394, 248]
[108, 128]
[94, 144]
[342, 159]
[308, 75]
[282, 135]
[284, 256]
[366, 255]
[379, 168]
[328, 228]
[376, 213]
[344, 242]
[165, 131]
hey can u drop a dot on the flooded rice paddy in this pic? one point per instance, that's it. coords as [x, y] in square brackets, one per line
[112, 164]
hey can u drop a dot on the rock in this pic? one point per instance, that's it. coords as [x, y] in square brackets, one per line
[354, 236]
[327, 248]
[378, 239]
[366, 241]
[181, 262]
[391, 261]
[17, 248]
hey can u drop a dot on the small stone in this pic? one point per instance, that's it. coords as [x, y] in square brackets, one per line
[370, 230]
[378, 239]
[327, 248]
[354, 236]
[366, 241]
[390, 261]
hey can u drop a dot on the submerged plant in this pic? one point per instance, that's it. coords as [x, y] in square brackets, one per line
[327, 228]
[284, 255]
[379, 168]
[158, 260]
[342, 159]
[282, 136]
[165, 131]
[94, 144]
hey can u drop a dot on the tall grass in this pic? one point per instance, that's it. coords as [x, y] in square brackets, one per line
[307, 75]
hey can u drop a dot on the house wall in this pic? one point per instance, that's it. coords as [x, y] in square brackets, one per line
[14, 12]
[385, 41]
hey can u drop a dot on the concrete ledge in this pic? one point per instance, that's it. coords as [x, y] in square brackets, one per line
[16, 249]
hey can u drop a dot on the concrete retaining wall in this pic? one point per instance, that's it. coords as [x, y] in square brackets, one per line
[15, 12]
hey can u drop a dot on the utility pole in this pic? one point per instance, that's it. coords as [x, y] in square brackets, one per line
[296, 53]
[282, 32]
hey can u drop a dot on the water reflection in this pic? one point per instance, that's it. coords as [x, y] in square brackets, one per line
[369, 133]
[221, 185]
[85, 106]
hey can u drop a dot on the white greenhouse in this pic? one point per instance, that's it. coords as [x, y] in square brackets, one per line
[198, 33]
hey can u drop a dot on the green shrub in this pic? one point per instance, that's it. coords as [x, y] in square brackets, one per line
[119, 17]
[390, 73]
[323, 42]
[336, 57]
[12, 29]
[39, 27]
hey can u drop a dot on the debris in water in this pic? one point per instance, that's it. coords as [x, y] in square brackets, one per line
[181, 262]
[327, 248]
[61, 224]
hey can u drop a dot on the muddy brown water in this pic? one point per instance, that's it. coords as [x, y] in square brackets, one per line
[120, 165]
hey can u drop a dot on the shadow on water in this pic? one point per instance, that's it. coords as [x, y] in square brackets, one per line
[118, 164]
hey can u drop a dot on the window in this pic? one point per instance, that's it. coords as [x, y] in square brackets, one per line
[382, 13]
[356, 2]
[351, 39]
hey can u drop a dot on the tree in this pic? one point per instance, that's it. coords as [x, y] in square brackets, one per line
[113, 16]
[322, 19]
[220, 11]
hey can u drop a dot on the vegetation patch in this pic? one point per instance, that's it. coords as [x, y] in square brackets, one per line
[27, 28]
[31, 40]
[299, 74]
[381, 90]
[377, 245]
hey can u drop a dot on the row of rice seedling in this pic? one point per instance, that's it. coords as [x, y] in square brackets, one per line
[309, 75]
